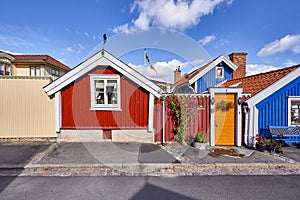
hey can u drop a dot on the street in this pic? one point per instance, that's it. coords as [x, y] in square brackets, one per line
[198, 187]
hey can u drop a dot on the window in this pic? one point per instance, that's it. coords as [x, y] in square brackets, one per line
[35, 71]
[1, 69]
[294, 110]
[105, 92]
[219, 72]
[54, 72]
[5, 69]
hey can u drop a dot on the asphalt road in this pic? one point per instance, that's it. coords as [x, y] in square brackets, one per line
[200, 187]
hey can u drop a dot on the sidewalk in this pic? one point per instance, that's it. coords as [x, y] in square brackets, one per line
[136, 159]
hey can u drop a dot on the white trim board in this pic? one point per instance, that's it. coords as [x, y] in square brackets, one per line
[102, 58]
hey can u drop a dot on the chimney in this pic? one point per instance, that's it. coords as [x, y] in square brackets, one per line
[177, 74]
[239, 59]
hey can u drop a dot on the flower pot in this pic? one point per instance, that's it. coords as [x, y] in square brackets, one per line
[260, 147]
[199, 145]
[269, 148]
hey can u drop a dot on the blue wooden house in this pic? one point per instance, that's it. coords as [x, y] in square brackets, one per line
[211, 74]
[275, 101]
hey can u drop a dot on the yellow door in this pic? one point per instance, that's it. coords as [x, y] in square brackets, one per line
[224, 119]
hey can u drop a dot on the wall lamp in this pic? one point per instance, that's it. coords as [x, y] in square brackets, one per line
[212, 100]
[239, 100]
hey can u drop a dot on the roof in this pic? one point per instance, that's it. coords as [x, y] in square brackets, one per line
[198, 73]
[102, 58]
[36, 58]
[40, 58]
[256, 83]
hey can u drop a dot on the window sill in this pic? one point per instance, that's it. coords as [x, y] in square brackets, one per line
[105, 109]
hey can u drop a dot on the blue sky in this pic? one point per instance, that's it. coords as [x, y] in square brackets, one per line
[268, 30]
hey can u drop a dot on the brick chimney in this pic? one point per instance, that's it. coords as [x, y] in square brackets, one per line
[177, 74]
[239, 59]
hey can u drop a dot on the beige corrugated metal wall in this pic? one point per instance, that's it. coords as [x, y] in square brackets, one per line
[25, 109]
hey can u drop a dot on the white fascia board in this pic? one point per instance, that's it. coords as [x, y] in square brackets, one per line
[105, 59]
[274, 87]
[212, 65]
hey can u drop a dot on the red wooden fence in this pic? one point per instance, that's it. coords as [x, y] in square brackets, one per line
[197, 111]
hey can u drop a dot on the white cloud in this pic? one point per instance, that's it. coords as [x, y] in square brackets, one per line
[289, 42]
[13, 41]
[10, 52]
[86, 34]
[290, 63]
[180, 14]
[207, 39]
[75, 48]
[252, 69]
[164, 69]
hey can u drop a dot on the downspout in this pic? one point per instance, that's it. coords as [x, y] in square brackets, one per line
[246, 112]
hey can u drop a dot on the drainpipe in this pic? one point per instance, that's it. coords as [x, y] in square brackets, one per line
[246, 112]
[163, 120]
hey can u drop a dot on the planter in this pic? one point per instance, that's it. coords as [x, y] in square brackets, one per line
[260, 147]
[199, 145]
[269, 148]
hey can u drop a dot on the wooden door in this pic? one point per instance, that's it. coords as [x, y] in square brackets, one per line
[224, 119]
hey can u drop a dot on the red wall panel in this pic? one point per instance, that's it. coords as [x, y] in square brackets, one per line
[76, 113]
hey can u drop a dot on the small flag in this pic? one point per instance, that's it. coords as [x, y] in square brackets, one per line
[148, 60]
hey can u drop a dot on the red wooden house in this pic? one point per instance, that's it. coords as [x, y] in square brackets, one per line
[103, 97]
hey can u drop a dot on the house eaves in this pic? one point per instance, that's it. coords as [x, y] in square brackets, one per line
[102, 58]
[211, 66]
[274, 87]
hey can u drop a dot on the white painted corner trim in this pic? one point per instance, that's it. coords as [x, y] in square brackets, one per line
[58, 118]
[150, 112]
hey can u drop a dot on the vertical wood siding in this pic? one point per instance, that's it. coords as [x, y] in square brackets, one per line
[273, 110]
[210, 80]
[198, 110]
[76, 104]
[25, 109]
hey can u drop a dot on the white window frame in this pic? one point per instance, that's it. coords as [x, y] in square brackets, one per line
[105, 78]
[290, 99]
[217, 69]
[35, 71]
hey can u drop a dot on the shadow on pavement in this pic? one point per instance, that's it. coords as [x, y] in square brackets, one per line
[150, 153]
[150, 191]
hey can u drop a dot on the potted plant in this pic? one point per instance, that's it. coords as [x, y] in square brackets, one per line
[200, 141]
[260, 144]
[270, 145]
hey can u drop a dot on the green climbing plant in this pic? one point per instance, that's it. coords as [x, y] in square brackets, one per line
[178, 111]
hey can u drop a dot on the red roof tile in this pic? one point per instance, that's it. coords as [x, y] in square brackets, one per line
[256, 83]
[42, 58]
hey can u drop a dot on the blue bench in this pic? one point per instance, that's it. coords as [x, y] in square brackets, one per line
[290, 135]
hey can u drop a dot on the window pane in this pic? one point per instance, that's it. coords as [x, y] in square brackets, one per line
[99, 93]
[7, 70]
[38, 71]
[295, 113]
[111, 90]
[32, 71]
[1, 69]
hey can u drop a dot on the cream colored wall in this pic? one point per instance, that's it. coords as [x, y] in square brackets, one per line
[26, 110]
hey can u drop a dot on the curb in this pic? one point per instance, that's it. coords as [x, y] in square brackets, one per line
[155, 169]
